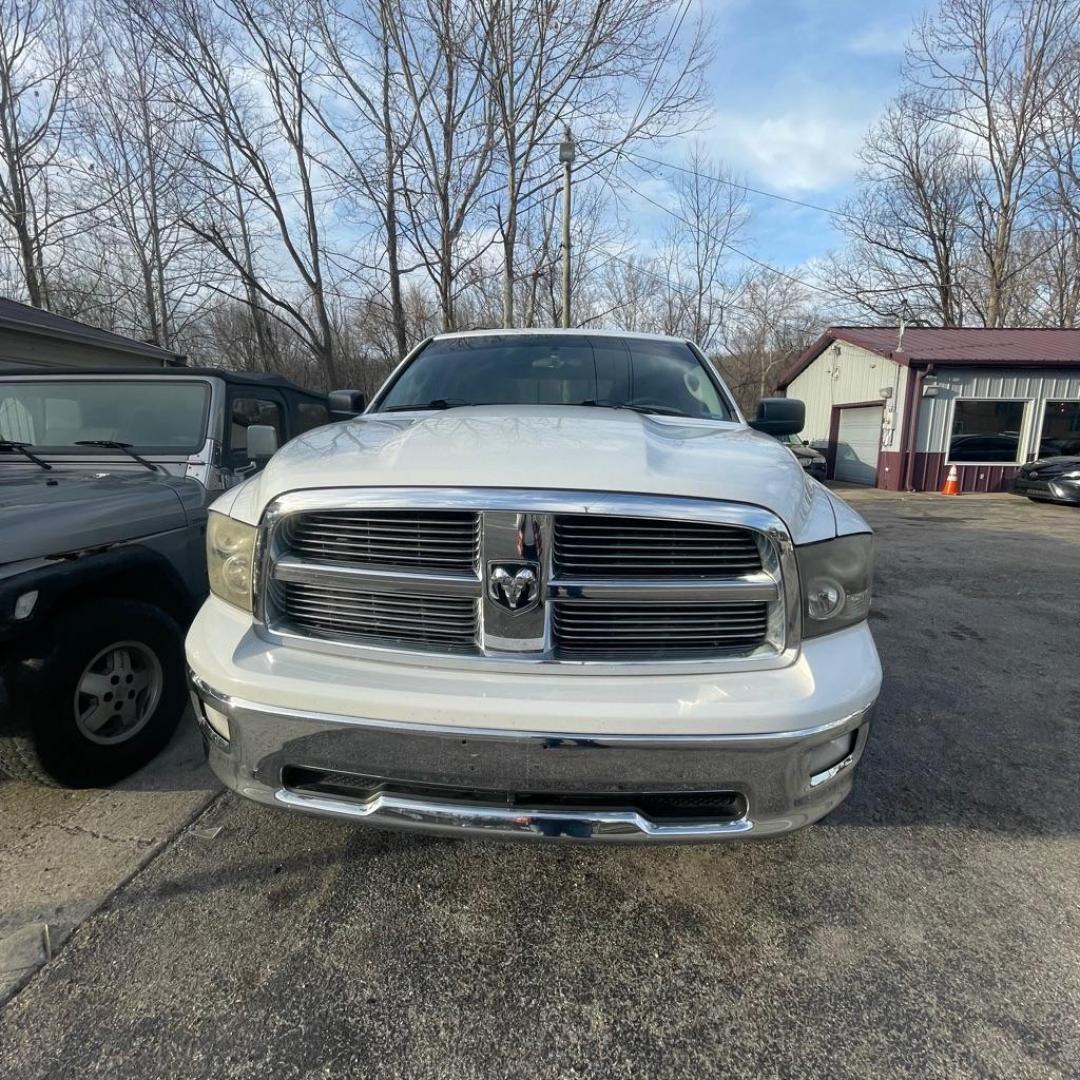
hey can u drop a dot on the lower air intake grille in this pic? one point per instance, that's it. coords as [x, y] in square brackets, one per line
[596, 629]
[379, 618]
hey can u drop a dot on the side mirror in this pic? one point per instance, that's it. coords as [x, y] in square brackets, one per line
[262, 443]
[779, 416]
[347, 402]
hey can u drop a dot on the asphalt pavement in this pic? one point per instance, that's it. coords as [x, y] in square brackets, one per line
[931, 927]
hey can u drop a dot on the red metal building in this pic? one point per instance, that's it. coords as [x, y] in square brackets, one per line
[896, 407]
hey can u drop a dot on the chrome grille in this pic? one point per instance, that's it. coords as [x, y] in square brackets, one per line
[593, 629]
[595, 545]
[417, 572]
[447, 622]
[437, 539]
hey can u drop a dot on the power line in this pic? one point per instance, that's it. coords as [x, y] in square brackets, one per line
[731, 247]
[833, 211]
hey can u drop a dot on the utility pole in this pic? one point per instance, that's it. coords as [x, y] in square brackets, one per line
[566, 156]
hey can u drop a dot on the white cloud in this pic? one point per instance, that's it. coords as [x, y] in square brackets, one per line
[881, 39]
[804, 149]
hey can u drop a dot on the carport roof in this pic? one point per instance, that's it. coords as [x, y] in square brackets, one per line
[955, 346]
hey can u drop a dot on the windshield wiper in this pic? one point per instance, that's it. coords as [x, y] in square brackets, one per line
[438, 403]
[22, 448]
[656, 410]
[112, 444]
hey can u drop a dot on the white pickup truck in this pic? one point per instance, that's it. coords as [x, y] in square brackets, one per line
[551, 584]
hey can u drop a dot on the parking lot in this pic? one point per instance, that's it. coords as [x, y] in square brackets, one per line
[931, 927]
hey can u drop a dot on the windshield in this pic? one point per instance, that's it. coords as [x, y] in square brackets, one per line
[551, 369]
[165, 416]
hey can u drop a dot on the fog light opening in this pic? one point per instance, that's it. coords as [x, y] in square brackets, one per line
[826, 761]
[24, 606]
[217, 720]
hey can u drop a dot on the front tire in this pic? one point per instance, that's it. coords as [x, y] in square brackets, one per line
[107, 701]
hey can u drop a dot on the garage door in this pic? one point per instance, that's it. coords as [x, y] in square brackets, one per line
[858, 445]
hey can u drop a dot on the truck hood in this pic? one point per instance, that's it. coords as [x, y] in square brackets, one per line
[546, 447]
[65, 510]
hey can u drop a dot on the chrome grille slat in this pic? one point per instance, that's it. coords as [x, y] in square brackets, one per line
[627, 629]
[379, 617]
[377, 529]
[441, 539]
[606, 546]
[386, 557]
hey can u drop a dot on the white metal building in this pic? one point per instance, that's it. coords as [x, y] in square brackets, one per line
[896, 408]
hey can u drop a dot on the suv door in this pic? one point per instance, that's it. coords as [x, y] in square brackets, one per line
[246, 406]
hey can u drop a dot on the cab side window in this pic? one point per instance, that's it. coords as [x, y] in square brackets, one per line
[248, 409]
[310, 414]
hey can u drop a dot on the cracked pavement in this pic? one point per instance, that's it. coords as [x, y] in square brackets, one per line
[930, 927]
[62, 853]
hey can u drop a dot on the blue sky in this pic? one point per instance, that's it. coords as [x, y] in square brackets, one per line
[794, 87]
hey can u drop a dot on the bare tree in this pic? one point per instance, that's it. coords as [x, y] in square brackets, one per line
[140, 150]
[247, 67]
[38, 53]
[775, 321]
[442, 52]
[365, 123]
[984, 69]
[710, 214]
[1059, 147]
[554, 62]
[907, 226]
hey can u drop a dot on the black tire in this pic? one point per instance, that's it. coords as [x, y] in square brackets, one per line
[44, 740]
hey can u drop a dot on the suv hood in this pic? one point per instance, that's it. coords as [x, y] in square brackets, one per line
[63, 511]
[546, 447]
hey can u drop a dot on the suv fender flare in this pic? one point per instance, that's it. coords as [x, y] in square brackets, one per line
[130, 567]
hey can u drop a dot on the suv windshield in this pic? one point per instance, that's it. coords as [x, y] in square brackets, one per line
[166, 416]
[665, 377]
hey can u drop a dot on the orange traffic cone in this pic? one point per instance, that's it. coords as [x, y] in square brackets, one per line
[952, 482]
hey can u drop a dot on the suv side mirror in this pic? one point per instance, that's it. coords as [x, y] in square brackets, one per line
[779, 416]
[262, 443]
[347, 402]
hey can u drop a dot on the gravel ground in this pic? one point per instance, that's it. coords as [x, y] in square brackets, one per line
[931, 927]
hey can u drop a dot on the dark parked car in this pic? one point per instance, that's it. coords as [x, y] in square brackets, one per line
[813, 461]
[1053, 479]
[105, 479]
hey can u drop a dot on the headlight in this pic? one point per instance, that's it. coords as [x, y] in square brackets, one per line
[1072, 474]
[835, 580]
[230, 553]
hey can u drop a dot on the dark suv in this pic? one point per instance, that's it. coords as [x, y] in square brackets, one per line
[105, 479]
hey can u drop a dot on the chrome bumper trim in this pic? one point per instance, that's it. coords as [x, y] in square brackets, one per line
[430, 815]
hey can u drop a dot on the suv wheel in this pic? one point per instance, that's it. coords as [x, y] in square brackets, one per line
[106, 703]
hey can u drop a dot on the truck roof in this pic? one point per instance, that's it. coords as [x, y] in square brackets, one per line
[246, 378]
[547, 331]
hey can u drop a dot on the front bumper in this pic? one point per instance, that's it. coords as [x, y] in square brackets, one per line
[532, 785]
[1049, 489]
[576, 757]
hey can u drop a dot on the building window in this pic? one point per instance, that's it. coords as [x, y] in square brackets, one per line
[987, 432]
[1060, 429]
